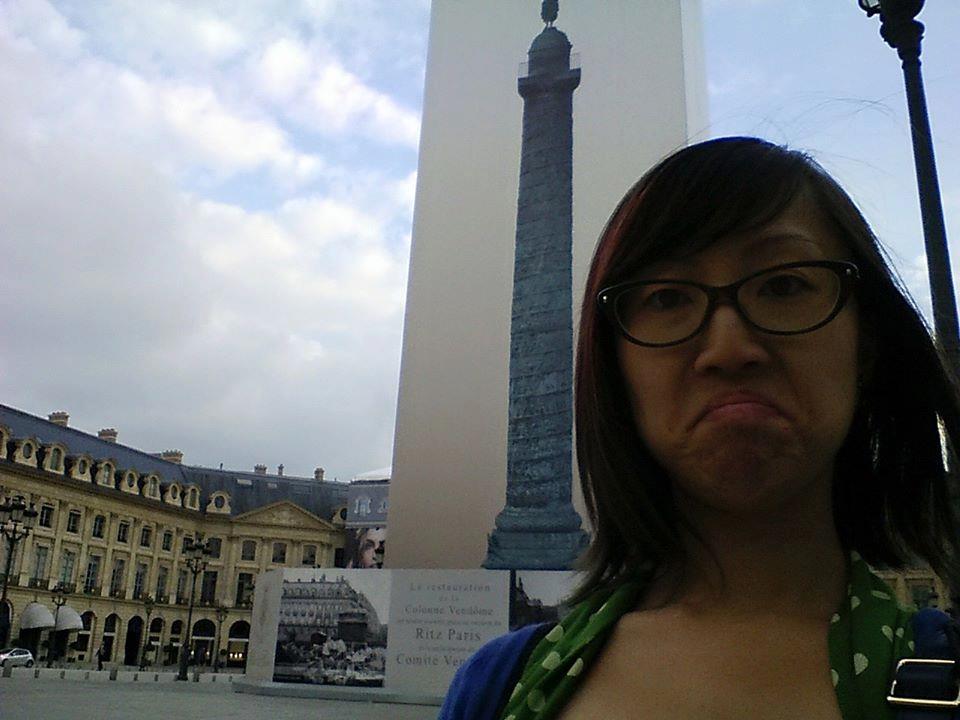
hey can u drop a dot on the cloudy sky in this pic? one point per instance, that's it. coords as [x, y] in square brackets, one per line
[205, 213]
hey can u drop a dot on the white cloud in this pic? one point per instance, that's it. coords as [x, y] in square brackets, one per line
[266, 333]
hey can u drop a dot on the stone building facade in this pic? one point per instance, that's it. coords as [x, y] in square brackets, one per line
[111, 529]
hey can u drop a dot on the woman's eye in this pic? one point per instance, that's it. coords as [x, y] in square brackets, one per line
[666, 299]
[784, 286]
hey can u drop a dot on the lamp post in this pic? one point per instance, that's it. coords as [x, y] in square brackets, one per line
[59, 599]
[197, 551]
[903, 32]
[148, 603]
[221, 616]
[16, 521]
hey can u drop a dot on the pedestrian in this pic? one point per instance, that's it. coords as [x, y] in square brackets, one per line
[100, 658]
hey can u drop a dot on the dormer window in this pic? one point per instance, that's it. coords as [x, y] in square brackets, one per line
[219, 503]
[106, 474]
[82, 466]
[172, 494]
[130, 482]
[56, 459]
[27, 451]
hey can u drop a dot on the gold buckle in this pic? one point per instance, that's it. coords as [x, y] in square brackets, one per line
[922, 702]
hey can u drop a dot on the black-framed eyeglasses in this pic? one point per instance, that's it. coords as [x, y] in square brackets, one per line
[788, 299]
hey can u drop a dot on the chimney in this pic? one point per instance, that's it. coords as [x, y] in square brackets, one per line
[174, 456]
[318, 474]
[107, 434]
[280, 469]
[260, 469]
[59, 418]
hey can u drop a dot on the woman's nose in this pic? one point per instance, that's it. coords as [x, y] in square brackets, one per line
[729, 344]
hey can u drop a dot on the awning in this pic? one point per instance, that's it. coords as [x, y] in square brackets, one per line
[36, 616]
[68, 619]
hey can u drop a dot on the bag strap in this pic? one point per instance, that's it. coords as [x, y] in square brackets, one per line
[927, 686]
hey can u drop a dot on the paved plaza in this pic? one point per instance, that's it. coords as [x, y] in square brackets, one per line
[53, 699]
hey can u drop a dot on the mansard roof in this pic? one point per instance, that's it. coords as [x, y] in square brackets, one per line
[248, 490]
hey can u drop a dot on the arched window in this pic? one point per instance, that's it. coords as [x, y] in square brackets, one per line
[56, 459]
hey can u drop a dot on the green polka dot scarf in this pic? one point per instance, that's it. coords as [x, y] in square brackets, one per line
[868, 635]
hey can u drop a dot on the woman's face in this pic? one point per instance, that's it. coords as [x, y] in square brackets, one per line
[785, 403]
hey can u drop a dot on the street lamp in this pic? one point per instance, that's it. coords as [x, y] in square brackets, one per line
[903, 32]
[221, 616]
[16, 521]
[197, 551]
[148, 603]
[59, 599]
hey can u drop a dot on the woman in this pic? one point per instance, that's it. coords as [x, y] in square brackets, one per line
[758, 418]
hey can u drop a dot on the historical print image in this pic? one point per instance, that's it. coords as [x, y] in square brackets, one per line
[333, 627]
[539, 596]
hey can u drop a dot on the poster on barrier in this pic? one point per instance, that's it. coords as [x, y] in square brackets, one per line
[332, 627]
[439, 619]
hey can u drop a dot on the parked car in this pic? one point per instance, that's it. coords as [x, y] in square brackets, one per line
[16, 656]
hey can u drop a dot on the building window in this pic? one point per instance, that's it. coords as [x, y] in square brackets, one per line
[46, 516]
[182, 586]
[40, 562]
[123, 532]
[309, 555]
[117, 576]
[56, 457]
[146, 536]
[68, 562]
[248, 550]
[139, 580]
[73, 521]
[219, 502]
[279, 552]
[93, 574]
[98, 525]
[244, 589]
[183, 543]
[215, 544]
[27, 451]
[82, 467]
[208, 587]
[167, 542]
[162, 573]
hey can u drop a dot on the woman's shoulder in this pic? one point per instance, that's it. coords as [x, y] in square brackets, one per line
[477, 690]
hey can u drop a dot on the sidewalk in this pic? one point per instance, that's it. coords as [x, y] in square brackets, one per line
[27, 698]
[122, 673]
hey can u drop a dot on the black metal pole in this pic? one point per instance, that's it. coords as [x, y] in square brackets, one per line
[8, 616]
[185, 643]
[6, 571]
[931, 209]
[906, 36]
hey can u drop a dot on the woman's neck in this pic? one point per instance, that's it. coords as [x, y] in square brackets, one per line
[788, 562]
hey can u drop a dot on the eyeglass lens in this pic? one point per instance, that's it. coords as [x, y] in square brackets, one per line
[783, 300]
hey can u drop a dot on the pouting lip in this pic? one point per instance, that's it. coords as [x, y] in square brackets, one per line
[734, 398]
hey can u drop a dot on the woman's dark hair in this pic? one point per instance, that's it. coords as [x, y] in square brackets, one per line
[891, 496]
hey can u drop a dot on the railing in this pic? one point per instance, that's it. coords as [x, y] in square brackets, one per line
[163, 599]
[69, 588]
[181, 599]
[138, 594]
[39, 582]
[90, 589]
[117, 592]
